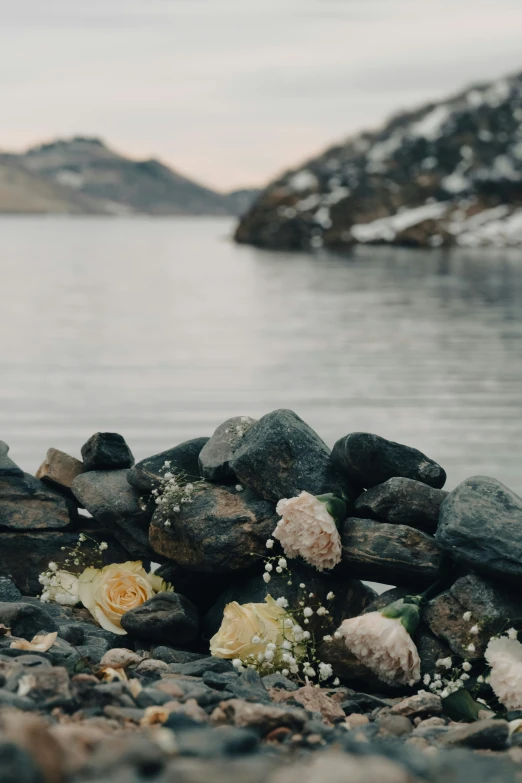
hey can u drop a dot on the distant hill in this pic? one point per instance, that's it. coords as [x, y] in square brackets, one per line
[448, 173]
[83, 176]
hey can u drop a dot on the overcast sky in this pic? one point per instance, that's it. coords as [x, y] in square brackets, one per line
[232, 91]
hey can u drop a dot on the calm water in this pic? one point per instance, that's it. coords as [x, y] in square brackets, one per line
[160, 329]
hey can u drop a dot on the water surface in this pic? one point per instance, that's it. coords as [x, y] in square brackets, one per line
[161, 328]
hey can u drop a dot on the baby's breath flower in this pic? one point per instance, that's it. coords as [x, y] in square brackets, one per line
[426, 679]
[256, 639]
[266, 577]
[471, 648]
[512, 633]
[306, 634]
[466, 616]
[279, 570]
[239, 487]
[286, 672]
[337, 681]
[53, 566]
[321, 611]
[444, 663]
[288, 623]
[474, 629]
[337, 635]
[302, 585]
[466, 666]
[327, 638]
[282, 562]
[270, 543]
[308, 611]
[82, 537]
[330, 596]
[269, 567]
[283, 602]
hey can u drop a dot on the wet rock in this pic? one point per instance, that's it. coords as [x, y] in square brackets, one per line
[24, 556]
[9, 592]
[489, 734]
[394, 554]
[59, 470]
[208, 664]
[215, 456]
[7, 466]
[350, 670]
[260, 716]
[28, 504]
[421, 705]
[351, 596]
[221, 530]
[106, 451]
[430, 649]
[402, 501]
[491, 604]
[166, 617]
[108, 496]
[26, 620]
[481, 525]
[145, 475]
[280, 456]
[369, 460]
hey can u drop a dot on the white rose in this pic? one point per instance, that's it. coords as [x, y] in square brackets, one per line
[263, 623]
[63, 588]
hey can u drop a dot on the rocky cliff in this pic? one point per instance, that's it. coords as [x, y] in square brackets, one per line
[449, 173]
[84, 176]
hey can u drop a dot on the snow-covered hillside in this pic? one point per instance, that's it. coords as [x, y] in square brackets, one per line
[448, 173]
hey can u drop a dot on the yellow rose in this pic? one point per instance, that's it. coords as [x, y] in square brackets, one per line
[111, 591]
[263, 623]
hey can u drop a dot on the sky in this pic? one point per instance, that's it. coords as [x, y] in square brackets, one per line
[232, 92]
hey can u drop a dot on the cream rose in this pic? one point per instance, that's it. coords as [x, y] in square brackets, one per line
[111, 591]
[247, 629]
[309, 530]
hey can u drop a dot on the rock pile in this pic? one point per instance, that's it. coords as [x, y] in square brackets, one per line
[153, 703]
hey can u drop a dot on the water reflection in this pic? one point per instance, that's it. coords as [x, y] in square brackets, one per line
[162, 328]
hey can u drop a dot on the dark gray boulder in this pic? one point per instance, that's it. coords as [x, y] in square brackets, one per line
[26, 620]
[146, 475]
[281, 456]
[351, 596]
[106, 451]
[491, 604]
[201, 590]
[108, 496]
[25, 555]
[481, 525]
[220, 530]
[28, 504]
[9, 592]
[403, 501]
[167, 618]
[393, 554]
[7, 466]
[369, 460]
[215, 456]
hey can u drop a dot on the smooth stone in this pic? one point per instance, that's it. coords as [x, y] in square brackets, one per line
[281, 456]
[206, 743]
[430, 649]
[250, 687]
[264, 717]
[59, 470]
[361, 703]
[351, 596]
[209, 664]
[215, 456]
[481, 526]
[110, 499]
[147, 474]
[106, 451]
[369, 460]
[26, 620]
[220, 530]
[392, 554]
[489, 734]
[28, 504]
[7, 466]
[403, 501]
[166, 617]
[171, 655]
[420, 705]
[278, 680]
[94, 648]
[491, 604]
[24, 556]
[202, 592]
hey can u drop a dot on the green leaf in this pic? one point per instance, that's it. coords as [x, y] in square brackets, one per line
[335, 506]
[461, 706]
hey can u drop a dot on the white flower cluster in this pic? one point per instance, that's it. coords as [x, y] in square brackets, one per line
[61, 585]
[504, 656]
[173, 490]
